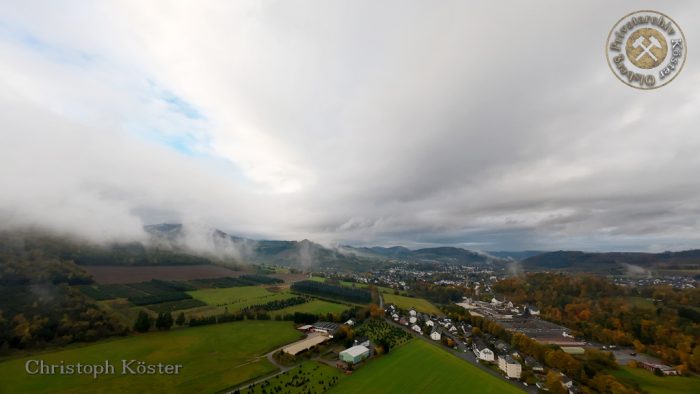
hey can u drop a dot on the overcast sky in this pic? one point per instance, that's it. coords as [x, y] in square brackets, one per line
[493, 125]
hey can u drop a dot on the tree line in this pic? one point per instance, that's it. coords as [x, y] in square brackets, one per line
[658, 320]
[321, 289]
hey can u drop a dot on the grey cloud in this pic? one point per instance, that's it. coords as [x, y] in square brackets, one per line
[495, 125]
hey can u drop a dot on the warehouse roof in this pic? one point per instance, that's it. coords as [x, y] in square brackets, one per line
[355, 350]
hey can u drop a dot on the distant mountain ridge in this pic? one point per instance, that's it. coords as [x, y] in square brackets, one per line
[612, 262]
[303, 254]
[516, 255]
[306, 253]
[441, 254]
[178, 244]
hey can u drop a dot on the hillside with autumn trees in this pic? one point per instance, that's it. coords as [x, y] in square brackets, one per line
[658, 320]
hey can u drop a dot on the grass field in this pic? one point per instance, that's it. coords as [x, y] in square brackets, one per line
[311, 377]
[420, 304]
[176, 306]
[358, 285]
[656, 384]
[213, 358]
[235, 298]
[421, 367]
[313, 306]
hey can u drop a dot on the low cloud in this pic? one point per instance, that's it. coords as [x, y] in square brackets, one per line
[422, 125]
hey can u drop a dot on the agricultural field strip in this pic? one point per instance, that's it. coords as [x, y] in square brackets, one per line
[236, 298]
[213, 358]
[406, 303]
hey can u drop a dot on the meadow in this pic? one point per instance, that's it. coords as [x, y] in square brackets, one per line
[359, 285]
[213, 357]
[421, 367]
[310, 377]
[315, 307]
[406, 303]
[653, 384]
[236, 298]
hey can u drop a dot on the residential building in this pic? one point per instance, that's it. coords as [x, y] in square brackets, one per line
[481, 351]
[512, 368]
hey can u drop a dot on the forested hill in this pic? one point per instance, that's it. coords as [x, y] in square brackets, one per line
[445, 255]
[613, 262]
[174, 244]
[38, 303]
[24, 243]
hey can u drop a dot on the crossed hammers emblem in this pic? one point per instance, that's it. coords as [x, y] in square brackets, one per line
[646, 49]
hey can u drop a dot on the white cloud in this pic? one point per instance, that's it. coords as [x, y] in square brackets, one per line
[498, 123]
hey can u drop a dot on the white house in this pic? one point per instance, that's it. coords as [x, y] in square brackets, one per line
[412, 312]
[481, 351]
[417, 329]
[435, 336]
[412, 319]
[533, 311]
[512, 368]
[430, 323]
[395, 316]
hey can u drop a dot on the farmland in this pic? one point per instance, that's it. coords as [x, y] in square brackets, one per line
[125, 274]
[421, 367]
[171, 296]
[325, 290]
[420, 304]
[213, 357]
[176, 305]
[656, 384]
[310, 377]
[358, 285]
[236, 298]
[315, 307]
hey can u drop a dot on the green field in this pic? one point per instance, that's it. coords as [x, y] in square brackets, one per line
[311, 377]
[213, 358]
[656, 384]
[420, 304]
[358, 285]
[236, 298]
[313, 306]
[176, 306]
[421, 367]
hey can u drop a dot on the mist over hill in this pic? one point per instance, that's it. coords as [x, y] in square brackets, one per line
[633, 263]
[186, 244]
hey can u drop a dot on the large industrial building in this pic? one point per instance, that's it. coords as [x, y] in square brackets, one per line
[354, 354]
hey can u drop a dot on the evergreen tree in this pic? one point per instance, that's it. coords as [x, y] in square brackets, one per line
[180, 319]
[164, 321]
[143, 322]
